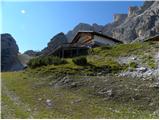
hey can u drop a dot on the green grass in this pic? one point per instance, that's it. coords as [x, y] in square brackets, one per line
[133, 65]
[90, 106]
[11, 110]
[132, 98]
[137, 48]
[149, 61]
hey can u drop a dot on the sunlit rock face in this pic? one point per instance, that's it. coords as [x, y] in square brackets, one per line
[141, 22]
[133, 11]
[120, 17]
[9, 54]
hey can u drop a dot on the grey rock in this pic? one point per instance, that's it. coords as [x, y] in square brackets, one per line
[9, 54]
[76, 101]
[39, 99]
[156, 112]
[108, 93]
[80, 27]
[154, 85]
[73, 84]
[120, 17]
[128, 59]
[141, 69]
[54, 43]
[29, 110]
[97, 28]
[49, 103]
[133, 11]
[142, 22]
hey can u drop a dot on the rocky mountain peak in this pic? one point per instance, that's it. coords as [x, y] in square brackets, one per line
[142, 22]
[97, 28]
[147, 4]
[8, 42]
[81, 26]
[61, 36]
[133, 11]
[119, 17]
[58, 39]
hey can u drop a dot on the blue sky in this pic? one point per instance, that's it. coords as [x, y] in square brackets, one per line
[33, 24]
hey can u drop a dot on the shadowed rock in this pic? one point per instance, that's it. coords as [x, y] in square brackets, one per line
[9, 54]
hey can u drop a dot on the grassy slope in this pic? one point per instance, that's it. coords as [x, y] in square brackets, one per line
[24, 93]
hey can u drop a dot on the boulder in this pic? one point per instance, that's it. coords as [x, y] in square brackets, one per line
[141, 69]
[49, 103]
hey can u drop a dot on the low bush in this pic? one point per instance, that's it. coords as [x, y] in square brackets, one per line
[80, 60]
[133, 64]
[114, 66]
[106, 47]
[151, 63]
[43, 61]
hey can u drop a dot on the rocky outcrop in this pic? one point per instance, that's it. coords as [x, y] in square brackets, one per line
[141, 23]
[133, 11]
[54, 43]
[97, 28]
[9, 54]
[119, 17]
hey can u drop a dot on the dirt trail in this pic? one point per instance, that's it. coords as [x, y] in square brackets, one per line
[17, 101]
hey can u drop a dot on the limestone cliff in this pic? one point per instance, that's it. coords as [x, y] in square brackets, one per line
[9, 54]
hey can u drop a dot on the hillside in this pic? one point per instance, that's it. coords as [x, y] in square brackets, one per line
[117, 82]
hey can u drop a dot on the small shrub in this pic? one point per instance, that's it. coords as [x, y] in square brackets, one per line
[80, 60]
[115, 66]
[106, 47]
[109, 65]
[43, 61]
[151, 63]
[133, 64]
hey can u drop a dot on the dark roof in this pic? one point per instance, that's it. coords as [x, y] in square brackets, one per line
[95, 33]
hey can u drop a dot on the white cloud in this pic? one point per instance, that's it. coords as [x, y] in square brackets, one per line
[23, 11]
